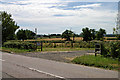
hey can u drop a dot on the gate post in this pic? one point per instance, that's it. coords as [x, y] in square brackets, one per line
[41, 45]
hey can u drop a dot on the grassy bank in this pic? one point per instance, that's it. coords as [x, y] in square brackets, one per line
[98, 61]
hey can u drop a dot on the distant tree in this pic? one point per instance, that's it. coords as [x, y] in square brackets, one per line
[87, 35]
[8, 27]
[114, 30]
[100, 34]
[67, 34]
[25, 34]
[30, 34]
[93, 32]
[21, 35]
[55, 35]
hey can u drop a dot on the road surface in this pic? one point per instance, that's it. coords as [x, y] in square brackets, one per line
[18, 66]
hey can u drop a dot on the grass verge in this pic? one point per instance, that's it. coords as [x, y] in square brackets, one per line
[65, 49]
[15, 50]
[98, 61]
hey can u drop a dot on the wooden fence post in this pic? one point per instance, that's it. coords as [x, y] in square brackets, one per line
[72, 44]
[41, 45]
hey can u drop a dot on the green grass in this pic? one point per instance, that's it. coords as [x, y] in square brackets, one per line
[98, 61]
[65, 49]
[15, 50]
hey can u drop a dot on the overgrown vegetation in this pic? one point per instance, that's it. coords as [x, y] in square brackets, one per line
[19, 45]
[109, 57]
[50, 45]
[98, 61]
[111, 49]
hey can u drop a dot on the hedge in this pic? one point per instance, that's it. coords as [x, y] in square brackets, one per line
[19, 45]
[111, 49]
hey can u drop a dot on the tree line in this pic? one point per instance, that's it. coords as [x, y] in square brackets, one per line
[9, 27]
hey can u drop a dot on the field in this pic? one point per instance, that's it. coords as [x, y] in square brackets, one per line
[55, 39]
[76, 39]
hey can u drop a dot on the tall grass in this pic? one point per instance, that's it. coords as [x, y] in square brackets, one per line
[98, 61]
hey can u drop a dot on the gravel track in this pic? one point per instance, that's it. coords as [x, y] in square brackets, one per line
[62, 56]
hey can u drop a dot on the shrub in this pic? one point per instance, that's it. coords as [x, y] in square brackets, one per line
[111, 49]
[19, 45]
[104, 50]
[115, 49]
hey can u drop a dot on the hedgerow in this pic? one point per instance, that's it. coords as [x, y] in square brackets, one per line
[19, 45]
[111, 49]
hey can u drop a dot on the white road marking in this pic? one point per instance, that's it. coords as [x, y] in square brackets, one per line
[2, 60]
[47, 73]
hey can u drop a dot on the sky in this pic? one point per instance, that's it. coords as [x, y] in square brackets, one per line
[55, 16]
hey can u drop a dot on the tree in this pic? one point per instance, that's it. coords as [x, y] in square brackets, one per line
[87, 35]
[100, 34]
[25, 34]
[114, 30]
[93, 32]
[8, 27]
[21, 35]
[67, 34]
[30, 34]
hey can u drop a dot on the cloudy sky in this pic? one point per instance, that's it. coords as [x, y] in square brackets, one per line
[54, 16]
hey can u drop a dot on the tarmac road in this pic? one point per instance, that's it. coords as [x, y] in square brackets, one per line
[18, 66]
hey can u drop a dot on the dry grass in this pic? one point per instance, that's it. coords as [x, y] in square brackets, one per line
[55, 39]
[110, 40]
[52, 39]
[76, 39]
[109, 37]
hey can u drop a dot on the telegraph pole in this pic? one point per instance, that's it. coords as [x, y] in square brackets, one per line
[38, 43]
[36, 33]
[36, 37]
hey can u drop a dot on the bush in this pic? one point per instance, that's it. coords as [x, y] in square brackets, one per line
[104, 50]
[111, 49]
[19, 45]
[115, 49]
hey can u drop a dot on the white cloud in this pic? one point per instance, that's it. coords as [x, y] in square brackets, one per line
[85, 6]
[95, 0]
[37, 13]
